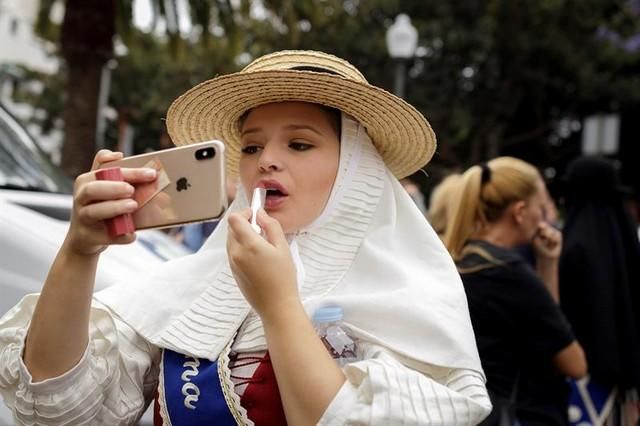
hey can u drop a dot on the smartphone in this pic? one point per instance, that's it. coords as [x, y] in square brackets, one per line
[190, 186]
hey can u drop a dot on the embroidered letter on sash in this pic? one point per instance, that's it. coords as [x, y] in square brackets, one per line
[190, 391]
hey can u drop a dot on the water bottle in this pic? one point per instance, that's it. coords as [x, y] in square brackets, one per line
[334, 334]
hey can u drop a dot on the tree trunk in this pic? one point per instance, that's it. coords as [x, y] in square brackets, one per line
[87, 43]
[80, 115]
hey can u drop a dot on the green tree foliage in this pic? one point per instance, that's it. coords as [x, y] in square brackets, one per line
[493, 77]
[148, 79]
[85, 39]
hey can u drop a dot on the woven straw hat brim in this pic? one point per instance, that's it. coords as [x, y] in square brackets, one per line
[212, 109]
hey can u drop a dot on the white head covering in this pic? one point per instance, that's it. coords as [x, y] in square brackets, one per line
[371, 252]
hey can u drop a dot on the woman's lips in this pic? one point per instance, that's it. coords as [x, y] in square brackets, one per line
[276, 193]
[273, 201]
[272, 184]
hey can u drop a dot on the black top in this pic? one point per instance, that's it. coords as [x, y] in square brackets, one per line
[518, 328]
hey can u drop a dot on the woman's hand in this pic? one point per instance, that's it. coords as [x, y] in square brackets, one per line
[95, 201]
[262, 266]
[547, 242]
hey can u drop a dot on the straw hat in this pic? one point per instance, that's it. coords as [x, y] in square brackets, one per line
[212, 109]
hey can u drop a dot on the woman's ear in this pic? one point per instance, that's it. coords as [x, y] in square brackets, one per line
[517, 211]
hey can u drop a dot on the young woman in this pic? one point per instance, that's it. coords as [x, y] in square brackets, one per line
[525, 343]
[441, 203]
[224, 336]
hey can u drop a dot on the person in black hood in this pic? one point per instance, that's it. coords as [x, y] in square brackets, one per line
[600, 273]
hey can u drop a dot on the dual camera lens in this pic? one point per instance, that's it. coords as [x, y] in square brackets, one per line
[205, 153]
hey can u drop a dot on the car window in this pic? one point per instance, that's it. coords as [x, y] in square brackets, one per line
[23, 165]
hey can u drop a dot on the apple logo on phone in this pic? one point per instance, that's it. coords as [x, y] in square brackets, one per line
[182, 184]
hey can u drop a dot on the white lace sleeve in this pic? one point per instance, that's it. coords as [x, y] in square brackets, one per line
[382, 391]
[111, 385]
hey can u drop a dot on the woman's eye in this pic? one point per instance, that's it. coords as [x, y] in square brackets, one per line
[300, 146]
[250, 149]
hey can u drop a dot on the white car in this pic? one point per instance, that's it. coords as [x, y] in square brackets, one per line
[29, 241]
[35, 206]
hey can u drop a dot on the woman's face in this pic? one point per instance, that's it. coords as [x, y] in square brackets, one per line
[292, 149]
[535, 212]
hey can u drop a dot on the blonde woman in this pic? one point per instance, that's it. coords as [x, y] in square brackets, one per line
[224, 336]
[525, 343]
[441, 203]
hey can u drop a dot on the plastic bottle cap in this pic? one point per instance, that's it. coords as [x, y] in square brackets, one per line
[327, 313]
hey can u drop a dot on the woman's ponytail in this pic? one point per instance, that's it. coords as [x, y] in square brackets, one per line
[466, 210]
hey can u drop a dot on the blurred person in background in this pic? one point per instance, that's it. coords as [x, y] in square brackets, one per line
[527, 251]
[634, 207]
[600, 277]
[414, 191]
[520, 329]
[440, 203]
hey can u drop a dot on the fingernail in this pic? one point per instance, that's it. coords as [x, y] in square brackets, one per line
[129, 189]
[149, 172]
[131, 205]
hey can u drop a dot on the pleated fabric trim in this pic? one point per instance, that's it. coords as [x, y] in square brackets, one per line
[228, 389]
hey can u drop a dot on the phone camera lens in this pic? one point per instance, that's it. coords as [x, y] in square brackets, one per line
[205, 153]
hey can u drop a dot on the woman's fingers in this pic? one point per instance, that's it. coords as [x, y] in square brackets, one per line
[243, 233]
[103, 190]
[96, 212]
[88, 189]
[272, 229]
[139, 175]
[548, 241]
[549, 234]
[133, 176]
[105, 156]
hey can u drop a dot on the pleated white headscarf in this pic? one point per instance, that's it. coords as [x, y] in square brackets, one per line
[371, 251]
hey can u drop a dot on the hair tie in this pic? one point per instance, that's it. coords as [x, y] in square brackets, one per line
[486, 173]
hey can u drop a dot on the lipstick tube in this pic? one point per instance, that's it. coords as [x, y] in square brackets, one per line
[257, 202]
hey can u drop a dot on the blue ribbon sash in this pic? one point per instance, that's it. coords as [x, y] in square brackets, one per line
[192, 392]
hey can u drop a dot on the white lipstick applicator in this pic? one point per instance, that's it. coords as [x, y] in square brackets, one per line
[257, 202]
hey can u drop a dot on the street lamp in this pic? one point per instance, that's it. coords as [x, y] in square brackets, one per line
[103, 100]
[402, 40]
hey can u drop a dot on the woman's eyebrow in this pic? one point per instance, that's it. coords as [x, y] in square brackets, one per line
[251, 130]
[302, 127]
[287, 127]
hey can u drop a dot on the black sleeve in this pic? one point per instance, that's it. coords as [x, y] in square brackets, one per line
[544, 329]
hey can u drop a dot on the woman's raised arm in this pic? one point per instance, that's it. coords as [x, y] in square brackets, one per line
[58, 332]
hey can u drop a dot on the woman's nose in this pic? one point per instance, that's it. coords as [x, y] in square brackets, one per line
[269, 160]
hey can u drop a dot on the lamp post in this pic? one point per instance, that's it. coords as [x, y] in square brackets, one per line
[402, 40]
[103, 99]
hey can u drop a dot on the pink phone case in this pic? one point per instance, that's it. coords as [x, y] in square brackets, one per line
[119, 225]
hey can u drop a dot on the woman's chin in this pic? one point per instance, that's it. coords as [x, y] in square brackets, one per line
[285, 222]
[288, 227]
